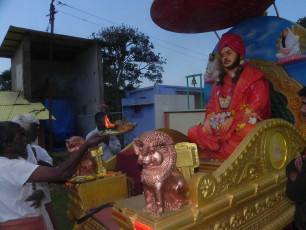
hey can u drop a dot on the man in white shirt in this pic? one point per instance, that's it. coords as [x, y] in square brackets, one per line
[111, 145]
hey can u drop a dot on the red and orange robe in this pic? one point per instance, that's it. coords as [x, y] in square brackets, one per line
[251, 93]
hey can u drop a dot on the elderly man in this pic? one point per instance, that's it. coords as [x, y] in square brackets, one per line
[296, 173]
[18, 178]
[239, 98]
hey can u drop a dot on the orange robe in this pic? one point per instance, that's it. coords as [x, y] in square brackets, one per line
[251, 93]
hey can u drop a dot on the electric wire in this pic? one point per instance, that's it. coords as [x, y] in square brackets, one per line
[176, 51]
[112, 22]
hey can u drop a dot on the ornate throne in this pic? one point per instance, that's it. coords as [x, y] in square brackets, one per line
[247, 191]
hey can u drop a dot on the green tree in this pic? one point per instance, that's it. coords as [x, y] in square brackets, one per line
[5, 80]
[302, 22]
[128, 59]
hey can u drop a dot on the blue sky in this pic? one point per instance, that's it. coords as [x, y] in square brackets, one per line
[186, 54]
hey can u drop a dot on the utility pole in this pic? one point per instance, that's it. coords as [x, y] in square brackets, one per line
[50, 82]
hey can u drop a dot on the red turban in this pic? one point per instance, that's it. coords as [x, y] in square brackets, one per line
[234, 42]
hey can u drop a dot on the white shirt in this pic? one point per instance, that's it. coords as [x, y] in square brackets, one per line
[109, 150]
[40, 153]
[14, 189]
[44, 156]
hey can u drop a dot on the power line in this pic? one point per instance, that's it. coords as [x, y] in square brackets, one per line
[59, 2]
[63, 4]
[180, 52]
[156, 44]
[176, 45]
[71, 15]
[109, 21]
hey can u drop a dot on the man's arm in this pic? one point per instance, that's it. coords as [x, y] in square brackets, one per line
[65, 170]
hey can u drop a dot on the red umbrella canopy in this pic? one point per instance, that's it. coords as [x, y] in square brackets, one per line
[197, 16]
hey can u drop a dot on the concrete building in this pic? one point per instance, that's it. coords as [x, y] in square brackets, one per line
[162, 106]
[74, 74]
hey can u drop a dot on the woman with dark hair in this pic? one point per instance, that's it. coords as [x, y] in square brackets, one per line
[38, 155]
[288, 45]
[18, 178]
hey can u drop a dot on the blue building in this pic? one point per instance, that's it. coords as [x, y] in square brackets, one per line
[147, 106]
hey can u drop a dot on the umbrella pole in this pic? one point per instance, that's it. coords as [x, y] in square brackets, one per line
[277, 14]
[217, 35]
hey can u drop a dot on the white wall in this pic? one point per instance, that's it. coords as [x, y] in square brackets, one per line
[183, 120]
[164, 103]
[17, 70]
[87, 81]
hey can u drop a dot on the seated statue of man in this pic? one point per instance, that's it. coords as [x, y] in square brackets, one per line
[239, 99]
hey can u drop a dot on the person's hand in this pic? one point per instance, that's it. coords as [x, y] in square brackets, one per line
[36, 197]
[299, 162]
[292, 176]
[223, 127]
[286, 51]
[206, 127]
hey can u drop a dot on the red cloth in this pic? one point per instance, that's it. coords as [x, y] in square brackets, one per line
[31, 223]
[104, 217]
[252, 89]
[234, 42]
[293, 59]
[127, 163]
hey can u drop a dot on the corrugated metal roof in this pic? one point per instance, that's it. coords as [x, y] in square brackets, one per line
[65, 47]
[12, 104]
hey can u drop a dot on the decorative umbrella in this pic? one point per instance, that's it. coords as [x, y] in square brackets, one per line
[197, 16]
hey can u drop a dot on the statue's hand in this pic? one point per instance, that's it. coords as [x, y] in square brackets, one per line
[223, 127]
[286, 51]
[251, 115]
[206, 127]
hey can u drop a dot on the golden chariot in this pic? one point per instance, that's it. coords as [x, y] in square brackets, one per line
[247, 191]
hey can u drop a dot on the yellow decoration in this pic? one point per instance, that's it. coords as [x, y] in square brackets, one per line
[97, 152]
[278, 149]
[82, 197]
[240, 126]
[242, 107]
[248, 110]
[210, 115]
